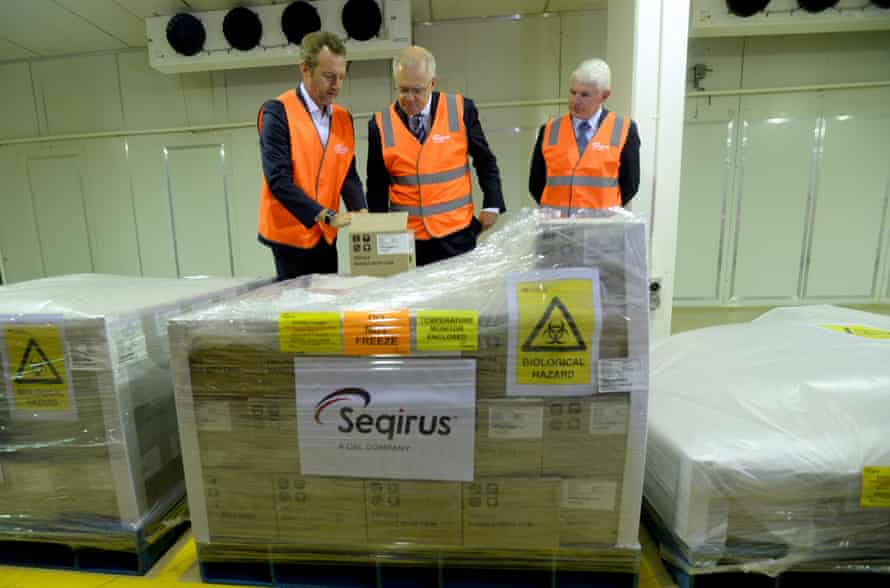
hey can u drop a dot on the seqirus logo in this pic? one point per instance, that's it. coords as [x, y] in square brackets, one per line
[341, 395]
[387, 424]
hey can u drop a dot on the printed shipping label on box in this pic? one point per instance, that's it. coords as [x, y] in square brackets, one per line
[402, 419]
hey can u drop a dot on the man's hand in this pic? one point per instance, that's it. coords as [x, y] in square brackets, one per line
[487, 219]
[337, 221]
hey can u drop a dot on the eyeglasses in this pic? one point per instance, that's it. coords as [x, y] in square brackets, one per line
[416, 92]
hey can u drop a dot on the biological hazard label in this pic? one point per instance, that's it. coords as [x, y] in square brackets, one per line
[377, 333]
[860, 331]
[554, 318]
[35, 368]
[446, 330]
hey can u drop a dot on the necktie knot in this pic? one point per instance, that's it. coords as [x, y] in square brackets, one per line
[417, 127]
[581, 135]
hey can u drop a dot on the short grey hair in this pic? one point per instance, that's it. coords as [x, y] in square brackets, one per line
[594, 72]
[414, 57]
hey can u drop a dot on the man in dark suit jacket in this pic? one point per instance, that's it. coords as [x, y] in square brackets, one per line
[590, 87]
[416, 111]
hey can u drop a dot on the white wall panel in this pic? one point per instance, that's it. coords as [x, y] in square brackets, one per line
[511, 134]
[18, 117]
[368, 86]
[851, 196]
[152, 204]
[79, 94]
[109, 206]
[19, 241]
[723, 56]
[150, 99]
[512, 59]
[205, 100]
[251, 258]
[197, 190]
[60, 211]
[248, 89]
[772, 196]
[793, 60]
[448, 42]
[708, 155]
[583, 37]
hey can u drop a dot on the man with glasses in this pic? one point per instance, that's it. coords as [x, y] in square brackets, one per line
[418, 162]
[307, 144]
[589, 157]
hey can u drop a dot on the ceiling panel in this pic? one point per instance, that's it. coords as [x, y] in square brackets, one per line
[112, 18]
[147, 8]
[46, 28]
[449, 9]
[420, 10]
[566, 5]
[12, 51]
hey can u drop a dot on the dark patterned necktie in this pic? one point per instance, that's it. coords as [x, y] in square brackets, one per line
[581, 136]
[417, 127]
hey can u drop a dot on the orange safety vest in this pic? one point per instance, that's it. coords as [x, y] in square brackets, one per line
[319, 170]
[431, 182]
[591, 179]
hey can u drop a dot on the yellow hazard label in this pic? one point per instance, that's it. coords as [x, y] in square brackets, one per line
[556, 326]
[36, 368]
[310, 332]
[875, 487]
[859, 331]
[446, 330]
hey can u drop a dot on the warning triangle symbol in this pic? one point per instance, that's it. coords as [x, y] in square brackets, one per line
[36, 368]
[556, 331]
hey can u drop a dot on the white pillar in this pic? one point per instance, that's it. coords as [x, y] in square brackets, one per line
[659, 35]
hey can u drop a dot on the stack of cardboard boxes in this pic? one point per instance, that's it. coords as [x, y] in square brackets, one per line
[90, 447]
[551, 471]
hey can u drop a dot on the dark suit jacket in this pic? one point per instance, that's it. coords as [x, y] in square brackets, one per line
[279, 172]
[483, 159]
[628, 170]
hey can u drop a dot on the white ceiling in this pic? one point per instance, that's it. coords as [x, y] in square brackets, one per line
[39, 28]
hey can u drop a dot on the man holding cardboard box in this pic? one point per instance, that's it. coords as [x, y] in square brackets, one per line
[418, 162]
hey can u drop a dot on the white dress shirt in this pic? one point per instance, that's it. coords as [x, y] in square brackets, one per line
[320, 117]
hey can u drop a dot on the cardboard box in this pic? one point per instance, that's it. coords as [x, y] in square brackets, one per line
[320, 511]
[511, 513]
[378, 244]
[239, 507]
[586, 437]
[424, 513]
[588, 511]
[509, 438]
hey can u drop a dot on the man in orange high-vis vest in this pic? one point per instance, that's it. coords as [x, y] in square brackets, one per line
[307, 144]
[588, 158]
[418, 162]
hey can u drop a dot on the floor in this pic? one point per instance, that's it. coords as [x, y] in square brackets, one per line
[686, 319]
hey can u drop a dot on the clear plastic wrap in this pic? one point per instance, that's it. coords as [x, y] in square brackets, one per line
[89, 447]
[488, 409]
[769, 442]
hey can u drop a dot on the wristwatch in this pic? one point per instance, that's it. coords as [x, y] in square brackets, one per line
[328, 217]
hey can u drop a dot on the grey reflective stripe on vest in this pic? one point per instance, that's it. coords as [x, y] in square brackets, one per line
[553, 139]
[616, 131]
[586, 181]
[389, 139]
[433, 209]
[436, 178]
[451, 106]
